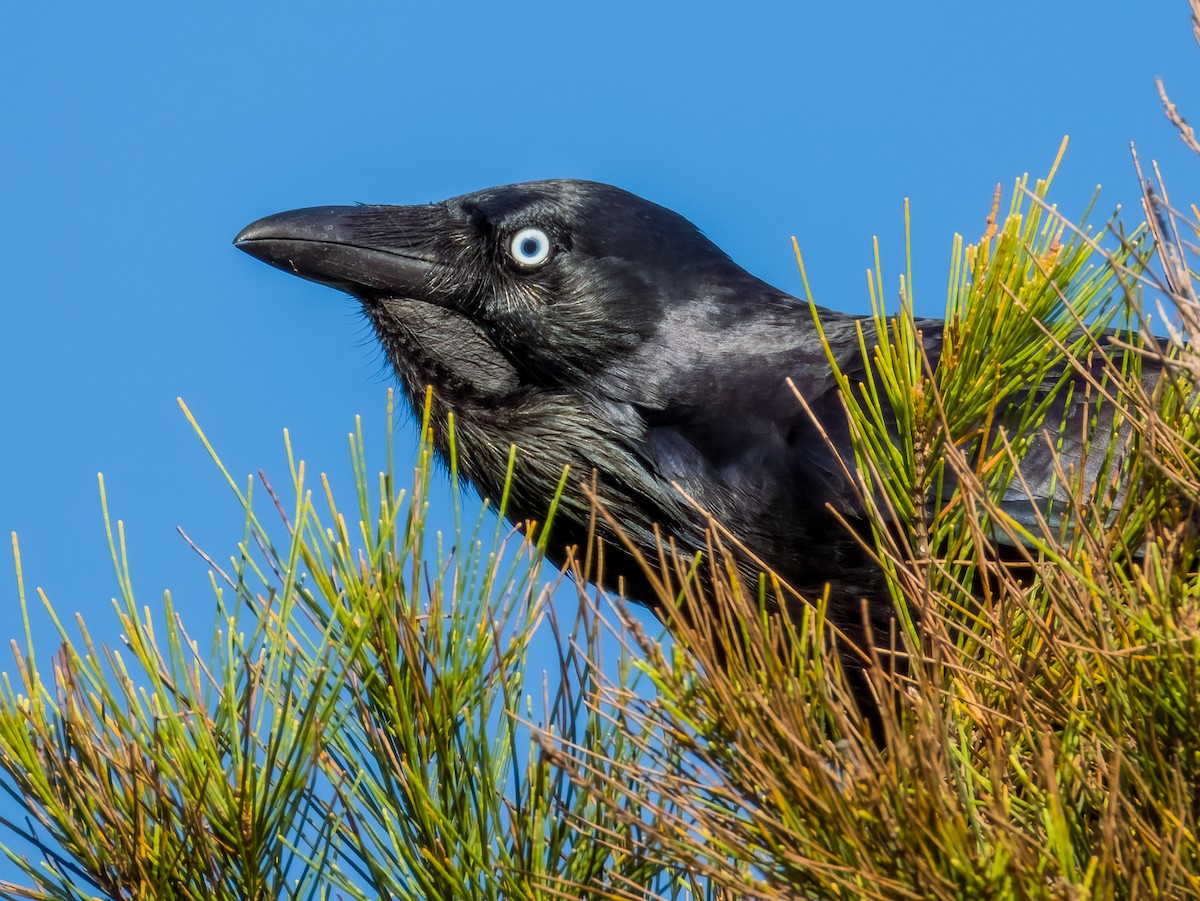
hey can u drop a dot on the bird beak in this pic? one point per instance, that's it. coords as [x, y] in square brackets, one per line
[358, 249]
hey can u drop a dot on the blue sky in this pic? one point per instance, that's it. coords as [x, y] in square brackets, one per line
[137, 138]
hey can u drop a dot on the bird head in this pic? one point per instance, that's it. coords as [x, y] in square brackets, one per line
[541, 285]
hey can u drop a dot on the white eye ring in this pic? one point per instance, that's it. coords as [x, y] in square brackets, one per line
[530, 247]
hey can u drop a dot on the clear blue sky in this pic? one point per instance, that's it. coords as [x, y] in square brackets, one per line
[137, 138]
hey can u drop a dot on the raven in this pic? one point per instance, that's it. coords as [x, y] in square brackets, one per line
[595, 329]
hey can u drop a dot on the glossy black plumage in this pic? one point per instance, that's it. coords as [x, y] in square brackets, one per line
[637, 349]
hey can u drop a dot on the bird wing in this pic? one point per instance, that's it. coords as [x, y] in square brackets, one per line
[729, 429]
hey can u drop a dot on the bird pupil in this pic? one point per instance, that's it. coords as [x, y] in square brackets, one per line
[529, 246]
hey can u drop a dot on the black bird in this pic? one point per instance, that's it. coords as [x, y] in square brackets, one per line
[595, 329]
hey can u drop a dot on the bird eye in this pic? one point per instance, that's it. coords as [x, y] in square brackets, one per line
[530, 247]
